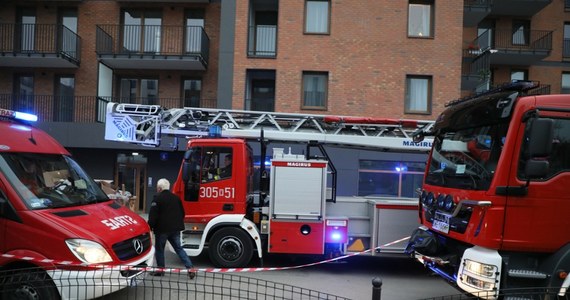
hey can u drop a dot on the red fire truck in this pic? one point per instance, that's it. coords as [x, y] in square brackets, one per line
[494, 205]
[296, 209]
[51, 211]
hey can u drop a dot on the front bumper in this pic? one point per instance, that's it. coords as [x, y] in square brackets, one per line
[89, 284]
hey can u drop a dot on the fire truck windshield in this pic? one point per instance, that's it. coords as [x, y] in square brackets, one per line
[466, 158]
[49, 181]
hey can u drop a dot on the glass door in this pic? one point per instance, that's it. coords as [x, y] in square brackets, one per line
[131, 176]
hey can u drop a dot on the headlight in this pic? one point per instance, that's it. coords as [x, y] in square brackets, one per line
[480, 269]
[449, 203]
[440, 201]
[88, 251]
[429, 199]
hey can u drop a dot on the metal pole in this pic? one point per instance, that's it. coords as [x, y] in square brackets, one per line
[376, 288]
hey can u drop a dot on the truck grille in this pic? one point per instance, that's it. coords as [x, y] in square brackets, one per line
[131, 248]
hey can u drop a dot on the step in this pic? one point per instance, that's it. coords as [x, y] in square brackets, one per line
[527, 274]
[188, 246]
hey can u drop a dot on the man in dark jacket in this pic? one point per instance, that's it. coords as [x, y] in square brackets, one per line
[166, 220]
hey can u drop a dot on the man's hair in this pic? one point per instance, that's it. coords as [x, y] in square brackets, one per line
[229, 156]
[163, 184]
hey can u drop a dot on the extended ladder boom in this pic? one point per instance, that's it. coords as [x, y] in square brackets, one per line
[144, 124]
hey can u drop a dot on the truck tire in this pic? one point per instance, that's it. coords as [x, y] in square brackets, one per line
[34, 284]
[230, 247]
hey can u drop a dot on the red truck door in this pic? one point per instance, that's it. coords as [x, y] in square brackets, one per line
[210, 182]
[538, 220]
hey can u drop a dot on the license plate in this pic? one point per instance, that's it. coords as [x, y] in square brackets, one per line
[441, 222]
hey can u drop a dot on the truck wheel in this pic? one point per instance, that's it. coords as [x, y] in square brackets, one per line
[27, 285]
[230, 248]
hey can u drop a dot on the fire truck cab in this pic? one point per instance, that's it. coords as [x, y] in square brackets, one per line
[51, 211]
[494, 203]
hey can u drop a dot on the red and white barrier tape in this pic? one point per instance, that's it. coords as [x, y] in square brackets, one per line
[177, 270]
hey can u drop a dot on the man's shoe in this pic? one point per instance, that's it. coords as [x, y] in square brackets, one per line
[191, 274]
[156, 273]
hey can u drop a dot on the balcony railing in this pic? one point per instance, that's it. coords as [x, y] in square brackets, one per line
[260, 104]
[566, 48]
[152, 40]
[530, 40]
[30, 39]
[81, 109]
[262, 41]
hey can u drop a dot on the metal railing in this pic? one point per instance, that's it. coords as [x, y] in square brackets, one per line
[40, 39]
[566, 48]
[478, 3]
[519, 293]
[262, 41]
[206, 285]
[82, 109]
[260, 104]
[152, 40]
[530, 40]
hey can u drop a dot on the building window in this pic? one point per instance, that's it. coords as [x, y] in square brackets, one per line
[317, 16]
[192, 91]
[420, 18]
[521, 32]
[140, 91]
[566, 41]
[315, 90]
[389, 178]
[565, 86]
[418, 94]
[519, 75]
[23, 93]
[63, 102]
[141, 30]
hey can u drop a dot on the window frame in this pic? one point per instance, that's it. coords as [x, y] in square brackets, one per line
[328, 25]
[407, 98]
[431, 26]
[326, 91]
[564, 90]
[400, 174]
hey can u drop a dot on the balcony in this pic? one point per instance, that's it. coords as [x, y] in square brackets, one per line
[262, 41]
[474, 11]
[153, 47]
[475, 69]
[518, 48]
[566, 49]
[518, 8]
[80, 109]
[38, 46]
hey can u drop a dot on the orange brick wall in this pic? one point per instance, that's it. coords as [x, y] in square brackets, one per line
[367, 55]
[93, 13]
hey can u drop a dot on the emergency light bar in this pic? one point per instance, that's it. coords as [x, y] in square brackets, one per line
[17, 115]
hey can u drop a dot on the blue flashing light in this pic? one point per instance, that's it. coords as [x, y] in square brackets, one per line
[401, 168]
[336, 236]
[215, 131]
[25, 116]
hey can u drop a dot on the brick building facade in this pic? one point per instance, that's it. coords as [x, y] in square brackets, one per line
[397, 59]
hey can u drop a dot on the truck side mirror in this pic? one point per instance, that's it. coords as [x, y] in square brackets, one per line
[539, 146]
[536, 168]
[540, 138]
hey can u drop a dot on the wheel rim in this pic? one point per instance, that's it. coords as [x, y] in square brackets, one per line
[230, 248]
[26, 292]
